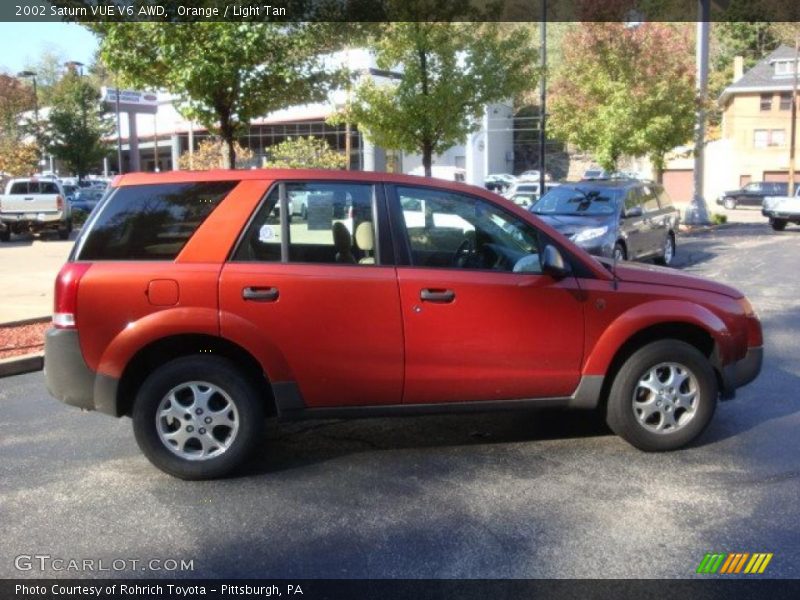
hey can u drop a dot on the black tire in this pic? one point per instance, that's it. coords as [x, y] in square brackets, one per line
[620, 252]
[668, 252]
[620, 413]
[219, 372]
[729, 203]
[63, 233]
[5, 235]
[304, 213]
[777, 224]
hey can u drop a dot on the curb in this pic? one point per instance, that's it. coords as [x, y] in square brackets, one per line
[31, 321]
[17, 365]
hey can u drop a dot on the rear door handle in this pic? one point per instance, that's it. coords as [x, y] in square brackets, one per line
[441, 296]
[260, 294]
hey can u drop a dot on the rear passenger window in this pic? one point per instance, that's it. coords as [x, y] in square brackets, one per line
[649, 199]
[150, 222]
[329, 223]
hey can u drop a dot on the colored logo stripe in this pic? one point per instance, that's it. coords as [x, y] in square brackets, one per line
[734, 562]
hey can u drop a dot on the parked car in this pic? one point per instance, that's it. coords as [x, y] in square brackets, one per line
[188, 306]
[753, 194]
[498, 182]
[524, 188]
[442, 172]
[532, 175]
[34, 205]
[620, 219]
[596, 174]
[525, 199]
[782, 210]
[85, 199]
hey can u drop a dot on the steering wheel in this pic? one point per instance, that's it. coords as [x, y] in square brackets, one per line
[463, 253]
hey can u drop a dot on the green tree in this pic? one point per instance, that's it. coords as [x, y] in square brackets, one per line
[448, 72]
[624, 91]
[305, 153]
[225, 73]
[17, 155]
[78, 128]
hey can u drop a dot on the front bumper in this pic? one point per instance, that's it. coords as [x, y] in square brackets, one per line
[742, 372]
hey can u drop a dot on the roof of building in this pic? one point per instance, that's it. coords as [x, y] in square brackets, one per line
[762, 77]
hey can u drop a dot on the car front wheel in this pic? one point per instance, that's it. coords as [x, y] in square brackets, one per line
[663, 396]
[197, 417]
[729, 203]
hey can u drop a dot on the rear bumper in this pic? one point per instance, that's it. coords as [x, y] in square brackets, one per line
[742, 372]
[70, 380]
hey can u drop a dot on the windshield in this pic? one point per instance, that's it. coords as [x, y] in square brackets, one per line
[578, 201]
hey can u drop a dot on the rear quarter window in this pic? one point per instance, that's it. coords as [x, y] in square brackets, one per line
[150, 222]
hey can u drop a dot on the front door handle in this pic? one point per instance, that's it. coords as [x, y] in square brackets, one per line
[260, 294]
[440, 296]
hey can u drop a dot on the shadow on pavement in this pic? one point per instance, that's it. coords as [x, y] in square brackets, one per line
[292, 445]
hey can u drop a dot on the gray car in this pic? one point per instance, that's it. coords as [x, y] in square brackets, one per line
[622, 219]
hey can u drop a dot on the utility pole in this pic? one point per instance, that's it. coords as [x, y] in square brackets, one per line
[120, 171]
[697, 211]
[542, 96]
[793, 127]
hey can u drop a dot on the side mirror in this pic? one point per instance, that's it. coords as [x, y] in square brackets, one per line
[634, 211]
[553, 263]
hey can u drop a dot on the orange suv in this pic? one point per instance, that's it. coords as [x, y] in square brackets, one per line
[190, 304]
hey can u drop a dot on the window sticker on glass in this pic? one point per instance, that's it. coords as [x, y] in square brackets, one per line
[266, 233]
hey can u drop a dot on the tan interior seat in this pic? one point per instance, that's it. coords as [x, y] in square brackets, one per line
[365, 240]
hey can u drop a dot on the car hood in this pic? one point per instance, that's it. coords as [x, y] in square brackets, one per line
[645, 273]
[569, 225]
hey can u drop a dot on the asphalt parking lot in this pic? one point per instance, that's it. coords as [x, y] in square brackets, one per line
[544, 494]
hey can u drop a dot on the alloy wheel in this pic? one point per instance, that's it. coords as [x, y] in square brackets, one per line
[197, 420]
[666, 398]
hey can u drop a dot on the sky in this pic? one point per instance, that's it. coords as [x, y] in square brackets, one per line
[23, 43]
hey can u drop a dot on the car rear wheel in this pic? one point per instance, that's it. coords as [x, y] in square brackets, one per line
[197, 417]
[669, 251]
[663, 397]
[63, 232]
[778, 224]
[729, 203]
[5, 235]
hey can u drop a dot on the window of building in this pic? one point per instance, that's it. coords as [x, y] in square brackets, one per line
[784, 67]
[766, 101]
[786, 101]
[769, 138]
[327, 223]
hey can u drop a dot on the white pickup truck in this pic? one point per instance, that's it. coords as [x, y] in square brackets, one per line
[34, 205]
[782, 210]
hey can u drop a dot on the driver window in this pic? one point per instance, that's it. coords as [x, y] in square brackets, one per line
[449, 230]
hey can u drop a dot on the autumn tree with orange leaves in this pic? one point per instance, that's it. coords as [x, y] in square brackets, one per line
[624, 90]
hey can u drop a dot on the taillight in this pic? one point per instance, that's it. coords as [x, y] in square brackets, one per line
[66, 294]
[59, 202]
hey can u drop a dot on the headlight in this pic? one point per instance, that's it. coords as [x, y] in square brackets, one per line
[589, 234]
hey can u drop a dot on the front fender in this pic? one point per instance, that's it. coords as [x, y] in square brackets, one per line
[657, 312]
